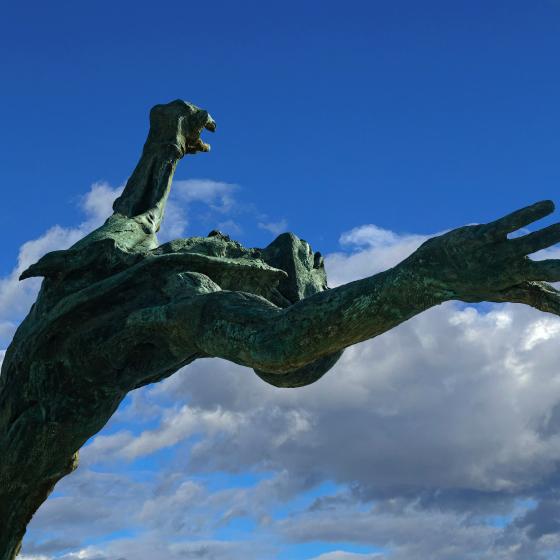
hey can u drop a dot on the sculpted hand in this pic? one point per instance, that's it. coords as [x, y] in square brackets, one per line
[479, 262]
[175, 130]
[180, 123]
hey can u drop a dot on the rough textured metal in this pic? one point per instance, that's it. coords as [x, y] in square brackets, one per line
[117, 311]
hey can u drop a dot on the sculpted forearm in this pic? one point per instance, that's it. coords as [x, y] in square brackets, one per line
[138, 213]
[249, 330]
[169, 139]
[473, 263]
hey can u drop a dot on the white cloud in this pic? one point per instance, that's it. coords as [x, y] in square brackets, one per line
[541, 331]
[276, 228]
[98, 203]
[419, 383]
[177, 426]
[216, 194]
[372, 250]
[174, 223]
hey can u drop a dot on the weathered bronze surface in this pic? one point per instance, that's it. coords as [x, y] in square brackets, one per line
[117, 311]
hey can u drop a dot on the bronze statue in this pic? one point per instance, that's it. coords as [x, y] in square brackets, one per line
[117, 311]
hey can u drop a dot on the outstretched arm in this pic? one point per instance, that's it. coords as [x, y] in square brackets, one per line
[472, 264]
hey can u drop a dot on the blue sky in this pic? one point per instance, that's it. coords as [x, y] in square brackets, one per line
[363, 127]
[416, 116]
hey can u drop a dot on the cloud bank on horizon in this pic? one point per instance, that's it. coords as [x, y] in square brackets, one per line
[439, 440]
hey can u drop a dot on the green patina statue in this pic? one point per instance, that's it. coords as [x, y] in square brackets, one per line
[117, 311]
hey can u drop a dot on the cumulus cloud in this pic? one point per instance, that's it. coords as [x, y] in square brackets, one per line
[216, 194]
[440, 438]
[98, 203]
[450, 401]
[369, 249]
[176, 426]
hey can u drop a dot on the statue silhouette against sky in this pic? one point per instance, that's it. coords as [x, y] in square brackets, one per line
[117, 311]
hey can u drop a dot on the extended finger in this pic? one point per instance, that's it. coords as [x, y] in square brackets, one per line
[520, 218]
[535, 241]
[547, 270]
